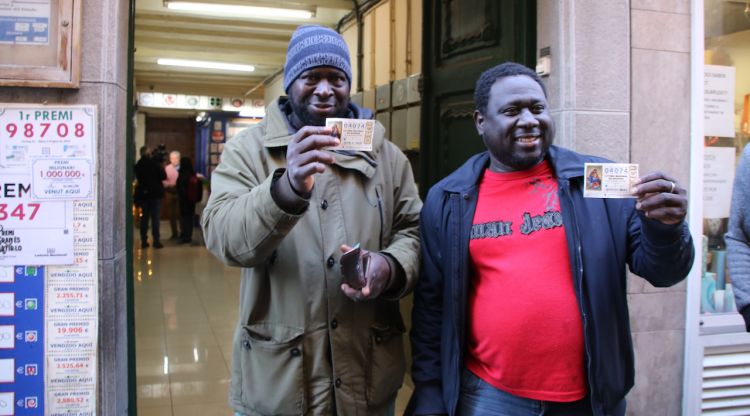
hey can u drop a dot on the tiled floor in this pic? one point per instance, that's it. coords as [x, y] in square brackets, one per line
[185, 308]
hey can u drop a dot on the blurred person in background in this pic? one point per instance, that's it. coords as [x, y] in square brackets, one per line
[738, 237]
[171, 202]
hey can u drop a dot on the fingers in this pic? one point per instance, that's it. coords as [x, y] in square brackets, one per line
[354, 294]
[310, 138]
[661, 198]
[657, 182]
[305, 157]
[344, 248]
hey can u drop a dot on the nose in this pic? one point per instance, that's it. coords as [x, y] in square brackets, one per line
[527, 119]
[323, 88]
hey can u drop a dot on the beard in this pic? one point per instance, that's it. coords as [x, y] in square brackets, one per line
[299, 109]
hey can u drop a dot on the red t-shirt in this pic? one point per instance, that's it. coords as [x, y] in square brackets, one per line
[525, 331]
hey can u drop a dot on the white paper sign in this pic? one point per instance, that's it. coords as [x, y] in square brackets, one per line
[31, 231]
[61, 179]
[718, 177]
[46, 161]
[718, 101]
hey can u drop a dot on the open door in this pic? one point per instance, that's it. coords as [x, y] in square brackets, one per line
[460, 41]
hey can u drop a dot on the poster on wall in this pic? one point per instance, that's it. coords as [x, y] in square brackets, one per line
[46, 163]
[718, 101]
[48, 304]
[718, 177]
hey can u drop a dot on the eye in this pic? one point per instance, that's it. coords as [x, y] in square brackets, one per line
[511, 111]
[538, 108]
[310, 78]
[337, 80]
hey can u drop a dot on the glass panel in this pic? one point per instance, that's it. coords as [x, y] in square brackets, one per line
[727, 98]
[31, 31]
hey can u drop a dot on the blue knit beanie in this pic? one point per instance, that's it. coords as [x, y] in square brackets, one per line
[312, 46]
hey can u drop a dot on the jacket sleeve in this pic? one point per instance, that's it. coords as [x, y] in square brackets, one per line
[241, 222]
[738, 237]
[660, 253]
[403, 243]
[427, 318]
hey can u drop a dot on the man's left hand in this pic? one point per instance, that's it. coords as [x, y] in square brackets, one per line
[377, 276]
[661, 198]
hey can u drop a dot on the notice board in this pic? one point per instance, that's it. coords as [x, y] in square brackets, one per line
[40, 43]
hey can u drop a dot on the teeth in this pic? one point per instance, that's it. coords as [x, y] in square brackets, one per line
[527, 139]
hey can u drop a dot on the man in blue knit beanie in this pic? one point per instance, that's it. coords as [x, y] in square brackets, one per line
[285, 207]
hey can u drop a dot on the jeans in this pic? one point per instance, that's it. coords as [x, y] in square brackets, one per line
[480, 398]
[151, 212]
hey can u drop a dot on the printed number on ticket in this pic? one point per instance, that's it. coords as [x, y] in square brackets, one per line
[355, 134]
[609, 180]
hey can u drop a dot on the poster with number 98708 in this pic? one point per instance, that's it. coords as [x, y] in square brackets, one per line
[46, 162]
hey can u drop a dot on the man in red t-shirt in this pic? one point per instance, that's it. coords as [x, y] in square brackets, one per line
[521, 308]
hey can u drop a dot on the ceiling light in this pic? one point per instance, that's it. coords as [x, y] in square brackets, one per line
[205, 64]
[242, 11]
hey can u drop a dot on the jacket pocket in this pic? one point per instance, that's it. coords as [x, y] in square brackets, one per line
[272, 369]
[386, 363]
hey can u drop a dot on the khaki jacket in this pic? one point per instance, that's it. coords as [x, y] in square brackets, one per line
[300, 343]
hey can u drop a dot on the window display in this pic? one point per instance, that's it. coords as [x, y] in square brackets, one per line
[726, 132]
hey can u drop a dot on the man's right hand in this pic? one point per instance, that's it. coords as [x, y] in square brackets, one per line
[305, 157]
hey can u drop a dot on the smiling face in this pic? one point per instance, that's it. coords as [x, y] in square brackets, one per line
[317, 94]
[517, 127]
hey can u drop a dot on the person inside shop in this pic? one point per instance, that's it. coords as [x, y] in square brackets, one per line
[189, 193]
[171, 201]
[285, 209]
[738, 237]
[521, 306]
[149, 191]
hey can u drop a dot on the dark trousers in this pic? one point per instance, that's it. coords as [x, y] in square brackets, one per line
[151, 212]
[187, 215]
[172, 211]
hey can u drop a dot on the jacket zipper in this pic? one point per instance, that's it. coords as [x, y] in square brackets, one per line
[579, 278]
[460, 313]
[382, 218]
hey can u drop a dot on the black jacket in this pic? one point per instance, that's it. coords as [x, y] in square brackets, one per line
[603, 236]
[149, 174]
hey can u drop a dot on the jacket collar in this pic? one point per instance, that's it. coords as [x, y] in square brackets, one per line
[566, 164]
[278, 133]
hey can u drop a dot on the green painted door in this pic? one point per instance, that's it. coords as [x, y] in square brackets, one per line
[461, 39]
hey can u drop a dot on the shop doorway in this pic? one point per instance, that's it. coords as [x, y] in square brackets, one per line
[184, 304]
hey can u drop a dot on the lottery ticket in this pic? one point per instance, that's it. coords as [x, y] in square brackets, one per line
[355, 134]
[609, 180]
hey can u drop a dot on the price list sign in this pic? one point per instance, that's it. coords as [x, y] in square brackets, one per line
[48, 218]
[46, 162]
[71, 322]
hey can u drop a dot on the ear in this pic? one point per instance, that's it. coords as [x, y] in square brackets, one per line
[479, 122]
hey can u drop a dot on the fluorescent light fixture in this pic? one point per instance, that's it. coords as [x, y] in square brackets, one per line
[241, 11]
[205, 64]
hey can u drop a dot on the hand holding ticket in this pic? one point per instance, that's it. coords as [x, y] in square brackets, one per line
[661, 198]
[610, 180]
[355, 134]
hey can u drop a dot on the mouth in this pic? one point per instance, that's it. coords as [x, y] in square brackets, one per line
[528, 139]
